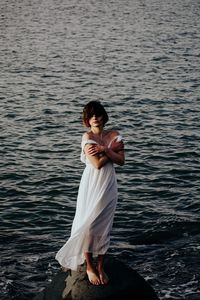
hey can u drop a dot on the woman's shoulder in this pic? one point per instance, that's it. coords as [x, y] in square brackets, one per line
[87, 136]
[113, 133]
[109, 135]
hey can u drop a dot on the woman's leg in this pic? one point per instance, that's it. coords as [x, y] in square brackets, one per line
[102, 275]
[90, 269]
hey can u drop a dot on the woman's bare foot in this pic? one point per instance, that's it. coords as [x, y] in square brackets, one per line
[93, 277]
[103, 276]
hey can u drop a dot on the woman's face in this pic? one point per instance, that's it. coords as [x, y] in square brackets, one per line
[96, 121]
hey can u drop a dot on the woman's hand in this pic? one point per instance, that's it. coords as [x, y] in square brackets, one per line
[94, 149]
[117, 146]
[115, 153]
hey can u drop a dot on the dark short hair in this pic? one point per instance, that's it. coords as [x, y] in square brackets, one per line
[94, 108]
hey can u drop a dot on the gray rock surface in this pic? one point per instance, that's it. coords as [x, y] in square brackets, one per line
[124, 284]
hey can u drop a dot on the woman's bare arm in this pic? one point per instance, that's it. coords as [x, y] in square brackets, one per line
[99, 155]
[97, 161]
[116, 157]
[115, 153]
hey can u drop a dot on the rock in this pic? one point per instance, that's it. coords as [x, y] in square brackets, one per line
[124, 284]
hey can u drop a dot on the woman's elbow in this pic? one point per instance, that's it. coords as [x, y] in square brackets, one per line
[98, 165]
[121, 162]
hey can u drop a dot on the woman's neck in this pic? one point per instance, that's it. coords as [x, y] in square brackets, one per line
[97, 130]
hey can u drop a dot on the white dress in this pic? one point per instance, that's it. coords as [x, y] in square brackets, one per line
[96, 203]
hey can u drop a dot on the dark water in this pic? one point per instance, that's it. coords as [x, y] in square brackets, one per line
[141, 58]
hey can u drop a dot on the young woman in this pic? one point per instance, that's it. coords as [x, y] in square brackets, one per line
[97, 196]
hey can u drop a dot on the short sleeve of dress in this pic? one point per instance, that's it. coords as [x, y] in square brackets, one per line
[83, 143]
[117, 138]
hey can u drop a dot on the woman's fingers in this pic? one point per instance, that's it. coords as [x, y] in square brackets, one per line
[92, 150]
[95, 149]
[117, 146]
